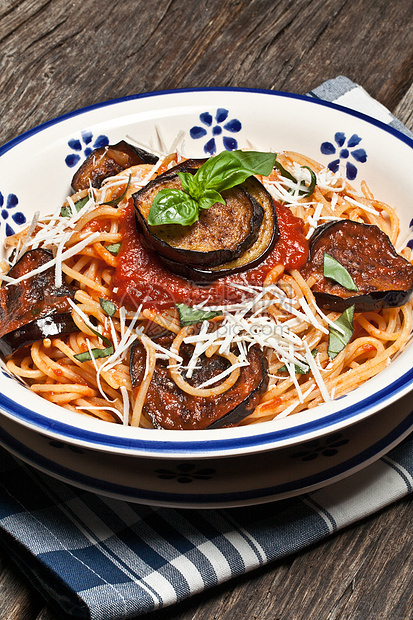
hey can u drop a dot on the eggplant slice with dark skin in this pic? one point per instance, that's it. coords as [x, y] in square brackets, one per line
[171, 408]
[254, 255]
[108, 161]
[48, 327]
[227, 238]
[222, 233]
[384, 278]
[25, 306]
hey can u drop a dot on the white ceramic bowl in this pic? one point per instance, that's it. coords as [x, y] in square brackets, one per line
[35, 173]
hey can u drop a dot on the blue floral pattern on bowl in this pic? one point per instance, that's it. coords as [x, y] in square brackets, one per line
[7, 207]
[321, 447]
[184, 473]
[214, 128]
[83, 147]
[344, 148]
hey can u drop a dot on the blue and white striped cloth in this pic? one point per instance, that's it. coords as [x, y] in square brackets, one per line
[105, 559]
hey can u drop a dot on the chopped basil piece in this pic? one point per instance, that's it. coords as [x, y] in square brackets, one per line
[86, 356]
[309, 188]
[189, 316]
[202, 190]
[98, 335]
[284, 172]
[67, 211]
[297, 369]
[107, 306]
[340, 332]
[113, 248]
[116, 201]
[305, 190]
[335, 270]
[96, 353]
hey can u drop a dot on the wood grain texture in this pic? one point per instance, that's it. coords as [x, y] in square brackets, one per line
[404, 109]
[60, 55]
[363, 573]
[16, 598]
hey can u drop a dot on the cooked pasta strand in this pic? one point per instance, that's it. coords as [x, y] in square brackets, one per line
[65, 371]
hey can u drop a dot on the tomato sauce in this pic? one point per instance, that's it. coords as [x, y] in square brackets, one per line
[141, 278]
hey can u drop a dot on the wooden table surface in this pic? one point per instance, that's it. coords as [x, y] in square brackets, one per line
[60, 55]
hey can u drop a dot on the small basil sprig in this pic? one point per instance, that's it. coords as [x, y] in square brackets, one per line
[306, 190]
[86, 356]
[116, 201]
[113, 248]
[340, 332]
[203, 189]
[67, 211]
[297, 369]
[189, 316]
[107, 306]
[335, 271]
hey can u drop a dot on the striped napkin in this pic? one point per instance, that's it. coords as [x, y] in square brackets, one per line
[100, 558]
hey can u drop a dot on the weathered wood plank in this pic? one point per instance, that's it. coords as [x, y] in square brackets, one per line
[16, 598]
[57, 56]
[46, 65]
[362, 573]
[404, 109]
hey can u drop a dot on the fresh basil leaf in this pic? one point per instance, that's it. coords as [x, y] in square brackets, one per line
[284, 172]
[334, 270]
[189, 316]
[305, 190]
[189, 185]
[85, 356]
[96, 353]
[340, 332]
[79, 204]
[173, 206]
[116, 201]
[231, 168]
[202, 190]
[210, 197]
[107, 306]
[308, 190]
[297, 369]
[257, 162]
[113, 248]
[98, 335]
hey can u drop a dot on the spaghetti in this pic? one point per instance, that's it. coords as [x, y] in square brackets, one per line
[280, 315]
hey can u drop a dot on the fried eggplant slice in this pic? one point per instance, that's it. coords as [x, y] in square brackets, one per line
[108, 161]
[254, 255]
[222, 233]
[171, 408]
[32, 299]
[47, 327]
[384, 279]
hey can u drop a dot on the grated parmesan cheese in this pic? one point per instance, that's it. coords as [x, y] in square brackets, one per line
[248, 323]
[52, 263]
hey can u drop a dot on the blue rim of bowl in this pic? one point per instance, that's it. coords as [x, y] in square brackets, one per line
[111, 102]
[269, 493]
[205, 446]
